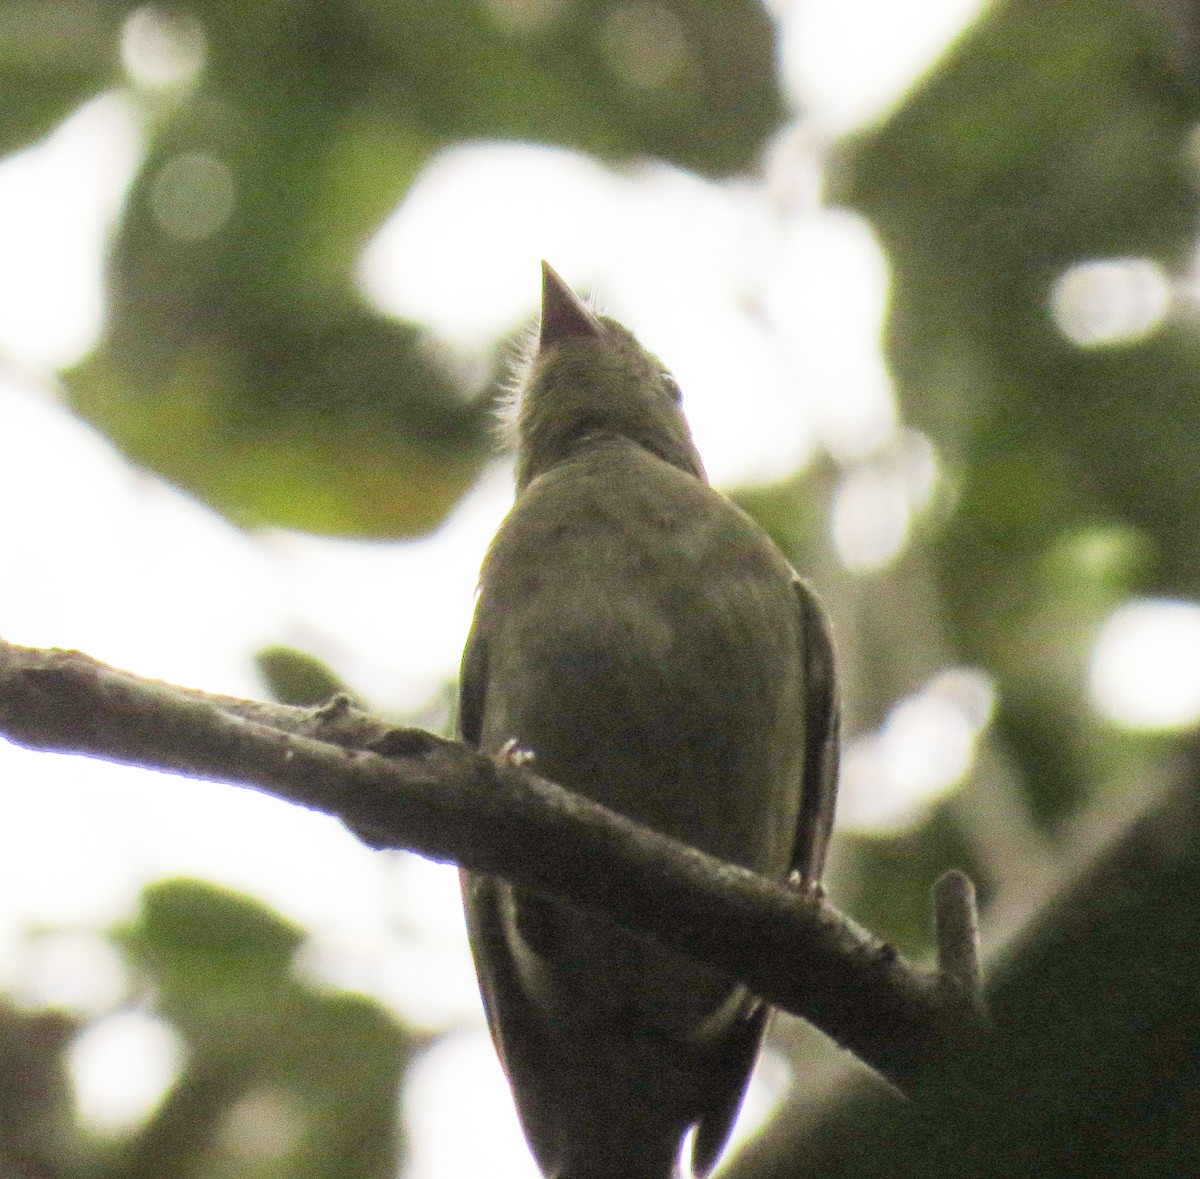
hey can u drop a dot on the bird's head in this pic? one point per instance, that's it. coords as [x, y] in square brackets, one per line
[589, 379]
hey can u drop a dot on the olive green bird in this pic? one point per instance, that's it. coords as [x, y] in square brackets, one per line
[648, 644]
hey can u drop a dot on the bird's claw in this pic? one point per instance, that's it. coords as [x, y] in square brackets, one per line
[812, 890]
[512, 753]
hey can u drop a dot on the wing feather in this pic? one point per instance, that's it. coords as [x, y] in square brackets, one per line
[822, 742]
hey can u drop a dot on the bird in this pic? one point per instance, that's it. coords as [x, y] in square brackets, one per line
[647, 645]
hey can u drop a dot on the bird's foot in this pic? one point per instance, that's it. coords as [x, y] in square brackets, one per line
[512, 753]
[812, 890]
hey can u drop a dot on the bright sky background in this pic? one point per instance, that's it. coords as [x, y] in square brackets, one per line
[116, 563]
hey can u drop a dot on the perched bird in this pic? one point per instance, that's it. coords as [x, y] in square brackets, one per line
[645, 641]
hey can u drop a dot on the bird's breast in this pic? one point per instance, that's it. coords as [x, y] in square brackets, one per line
[645, 651]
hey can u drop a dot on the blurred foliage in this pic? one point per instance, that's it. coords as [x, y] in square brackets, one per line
[36, 1108]
[51, 63]
[295, 677]
[240, 361]
[279, 1079]
[1053, 134]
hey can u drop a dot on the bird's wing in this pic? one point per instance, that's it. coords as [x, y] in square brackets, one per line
[730, 1076]
[472, 684]
[517, 1031]
[739, 1048]
[821, 739]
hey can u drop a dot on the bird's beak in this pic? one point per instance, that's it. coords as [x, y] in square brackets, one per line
[563, 312]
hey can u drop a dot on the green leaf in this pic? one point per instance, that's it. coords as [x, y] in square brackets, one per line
[295, 677]
[54, 54]
[320, 1071]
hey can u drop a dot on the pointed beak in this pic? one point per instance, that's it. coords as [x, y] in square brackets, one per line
[563, 313]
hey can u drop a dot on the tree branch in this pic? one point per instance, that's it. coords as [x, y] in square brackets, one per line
[405, 788]
[956, 924]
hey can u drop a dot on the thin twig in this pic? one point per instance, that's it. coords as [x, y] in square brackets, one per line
[956, 919]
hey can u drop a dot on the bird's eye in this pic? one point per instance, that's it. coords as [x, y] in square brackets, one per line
[671, 385]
